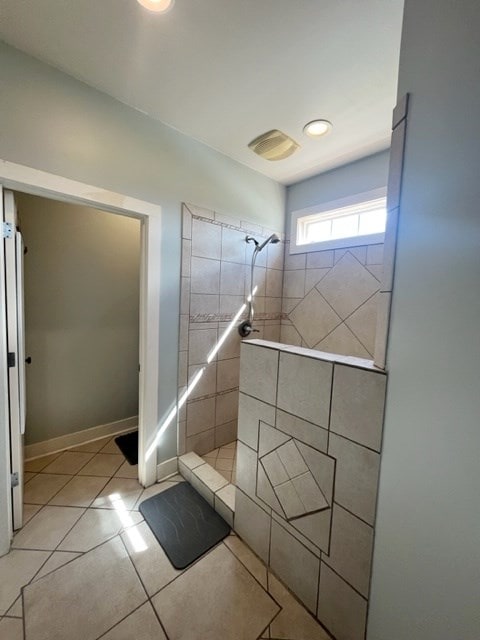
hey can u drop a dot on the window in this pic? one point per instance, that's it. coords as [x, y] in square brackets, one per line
[344, 223]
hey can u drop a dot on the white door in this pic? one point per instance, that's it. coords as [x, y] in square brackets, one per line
[16, 351]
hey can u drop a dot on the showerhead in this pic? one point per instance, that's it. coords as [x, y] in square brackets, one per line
[246, 327]
[273, 239]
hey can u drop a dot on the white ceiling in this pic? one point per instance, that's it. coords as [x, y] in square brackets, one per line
[225, 71]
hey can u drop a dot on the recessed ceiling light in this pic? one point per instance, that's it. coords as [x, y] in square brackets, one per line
[159, 6]
[317, 128]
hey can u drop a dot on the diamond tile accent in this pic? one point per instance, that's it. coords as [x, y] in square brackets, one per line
[322, 468]
[291, 459]
[290, 500]
[292, 481]
[314, 306]
[348, 285]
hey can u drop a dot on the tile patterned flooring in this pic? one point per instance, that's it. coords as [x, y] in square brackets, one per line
[86, 566]
[223, 460]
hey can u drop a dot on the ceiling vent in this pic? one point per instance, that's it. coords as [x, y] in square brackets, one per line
[274, 145]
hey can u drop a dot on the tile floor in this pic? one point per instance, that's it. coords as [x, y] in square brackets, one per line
[223, 460]
[86, 566]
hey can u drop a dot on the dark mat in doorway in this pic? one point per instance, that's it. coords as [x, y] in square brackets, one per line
[184, 524]
[128, 445]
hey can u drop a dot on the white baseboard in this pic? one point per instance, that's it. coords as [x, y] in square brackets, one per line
[167, 468]
[53, 445]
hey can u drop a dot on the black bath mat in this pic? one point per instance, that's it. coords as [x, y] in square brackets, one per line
[128, 445]
[184, 524]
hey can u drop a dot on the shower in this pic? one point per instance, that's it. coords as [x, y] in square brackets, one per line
[245, 328]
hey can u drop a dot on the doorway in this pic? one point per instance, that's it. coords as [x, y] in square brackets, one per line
[82, 285]
[39, 183]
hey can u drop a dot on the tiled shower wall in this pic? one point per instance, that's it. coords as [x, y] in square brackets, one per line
[215, 284]
[308, 457]
[330, 300]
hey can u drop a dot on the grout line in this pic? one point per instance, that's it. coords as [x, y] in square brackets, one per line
[353, 514]
[40, 568]
[81, 553]
[300, 603]
[75, 506]
[34, 549]
[334, 479]
[259, 461]
[45, 455]
[83, 475]
[181, 572]
[256, 503]
[122, 619]
[246, 567]
[311, 424]
[85, 509]
[119, 534]
[34, 474]
[23, 615]
[50, 552]
[318, 583]
[314, 479]
[270, 543]
[346, 581]
[76, 521]
[298, 539]
[149, 599]
[159, 620]
[353, 332]
[358, 444]
[329, 546]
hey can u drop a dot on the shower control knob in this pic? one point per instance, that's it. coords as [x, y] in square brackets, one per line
[245, 329]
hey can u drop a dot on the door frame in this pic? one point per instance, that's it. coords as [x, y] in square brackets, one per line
[40, 183]
[15, 337]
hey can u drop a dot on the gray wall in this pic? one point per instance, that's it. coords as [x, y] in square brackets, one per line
[82, 288]
[426, 580]
[57, 124]
[363, 175]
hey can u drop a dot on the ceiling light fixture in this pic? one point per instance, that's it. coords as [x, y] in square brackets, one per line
[317, 128]
[158, 6]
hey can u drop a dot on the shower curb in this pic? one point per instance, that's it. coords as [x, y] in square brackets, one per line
[211, 485]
